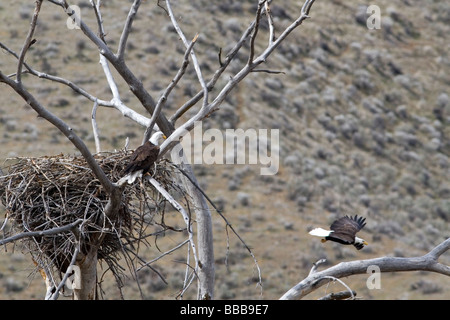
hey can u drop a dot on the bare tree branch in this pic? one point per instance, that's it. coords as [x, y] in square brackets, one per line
[130, 78]
[316, 265]
[109, 77]
[339, 295]
[236, 79]
[223, 66]
[194, 57]
[94, 127]
[146, 264]
[98, 15]
[341, 282]
[28, 40]
[114, 103]
[162, 100]
[127, 29]
[180, 209]
[68, 272]
[270, 22]
[255, 32]
[68, 227]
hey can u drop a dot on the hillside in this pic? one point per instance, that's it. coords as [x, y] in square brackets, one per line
[363, 116]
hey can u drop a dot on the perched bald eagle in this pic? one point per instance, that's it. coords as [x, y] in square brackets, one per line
[143, 158]
[343, 231]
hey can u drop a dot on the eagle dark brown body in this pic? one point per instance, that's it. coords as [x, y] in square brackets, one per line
[143, 158]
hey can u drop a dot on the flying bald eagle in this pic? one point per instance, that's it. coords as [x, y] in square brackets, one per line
[343, 231]
[143, 158]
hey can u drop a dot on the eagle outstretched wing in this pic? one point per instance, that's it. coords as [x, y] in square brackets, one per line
[345, 228]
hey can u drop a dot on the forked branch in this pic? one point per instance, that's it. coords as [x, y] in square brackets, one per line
[253, 62]
[28, 40]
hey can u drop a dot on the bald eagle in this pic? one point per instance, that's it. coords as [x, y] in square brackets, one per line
[343, 231]
[143, 158]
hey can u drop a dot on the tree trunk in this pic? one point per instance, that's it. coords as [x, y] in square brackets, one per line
[206, 271]
[85, 281]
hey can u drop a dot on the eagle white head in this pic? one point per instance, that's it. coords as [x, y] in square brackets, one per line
[157, 138]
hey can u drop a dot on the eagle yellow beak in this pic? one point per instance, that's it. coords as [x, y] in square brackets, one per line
[365, 243]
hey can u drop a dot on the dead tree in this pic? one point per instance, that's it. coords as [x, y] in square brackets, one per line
[112, 200]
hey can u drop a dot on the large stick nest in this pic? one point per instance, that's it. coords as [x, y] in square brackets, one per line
[53, 191]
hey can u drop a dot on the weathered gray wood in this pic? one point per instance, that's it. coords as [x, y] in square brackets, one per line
[206, 270]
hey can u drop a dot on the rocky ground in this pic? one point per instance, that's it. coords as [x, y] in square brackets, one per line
[364, 121]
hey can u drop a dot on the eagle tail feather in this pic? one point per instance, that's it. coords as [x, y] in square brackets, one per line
[130, 177]
[133, 176]
[319, 232]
